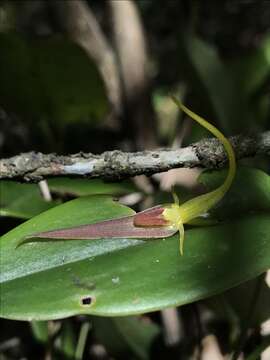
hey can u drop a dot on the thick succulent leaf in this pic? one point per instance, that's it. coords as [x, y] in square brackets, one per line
[249, 193]
[56, 279]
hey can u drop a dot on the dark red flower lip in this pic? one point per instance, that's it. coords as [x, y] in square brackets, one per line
[151, 217]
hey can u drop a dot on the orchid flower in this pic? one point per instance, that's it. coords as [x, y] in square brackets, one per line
[160, 221]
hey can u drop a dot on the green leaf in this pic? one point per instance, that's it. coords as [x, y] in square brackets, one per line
[67, 344]
[247, 290]
[82, 339]
[121, 334]
[231, 307]
[69, 80]
[56, 279]
[265, 343]
[25, 200]
[21, 93]
[252, 69]
[212, 83]
[249, 193]
[54, 80]
[251, 72]
[22, 200]
[81, 187]
[40, 330]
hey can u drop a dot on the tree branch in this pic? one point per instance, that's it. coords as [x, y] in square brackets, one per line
[116, 165]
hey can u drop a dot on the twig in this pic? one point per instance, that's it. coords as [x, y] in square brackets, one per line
[116, 165]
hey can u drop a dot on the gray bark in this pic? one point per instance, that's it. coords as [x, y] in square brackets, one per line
[116, 165]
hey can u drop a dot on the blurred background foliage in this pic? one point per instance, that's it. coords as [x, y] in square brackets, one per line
[96, 76]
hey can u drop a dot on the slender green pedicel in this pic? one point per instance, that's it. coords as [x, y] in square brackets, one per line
[177, 214]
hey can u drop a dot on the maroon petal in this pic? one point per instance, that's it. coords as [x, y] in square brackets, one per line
[115, 228]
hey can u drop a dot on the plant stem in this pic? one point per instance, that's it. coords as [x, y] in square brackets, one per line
[82, 340]
[246, 323]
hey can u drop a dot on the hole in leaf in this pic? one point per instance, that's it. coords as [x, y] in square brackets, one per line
[86, 300]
